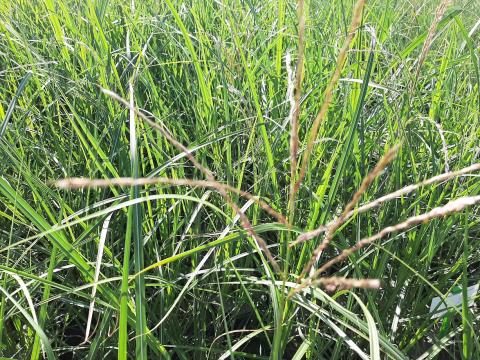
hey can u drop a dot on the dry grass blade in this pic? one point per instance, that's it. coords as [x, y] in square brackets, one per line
[394, 195]
[78, 183]
[296, 104]
[439, 12]
[444, 144]
[98, 264]
[290, 87]
[453, 206]
[356, 19]
[208, 174]
[334, 225]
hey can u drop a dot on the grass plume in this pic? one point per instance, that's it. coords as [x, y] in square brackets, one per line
[214, 179]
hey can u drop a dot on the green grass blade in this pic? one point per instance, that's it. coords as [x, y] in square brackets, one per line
[45, 341]
[11, 106]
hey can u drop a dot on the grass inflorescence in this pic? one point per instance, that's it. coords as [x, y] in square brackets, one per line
[238, 179]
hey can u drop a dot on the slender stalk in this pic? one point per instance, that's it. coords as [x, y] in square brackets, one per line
[296, 107]
[134, 232]
[136, 210]
[452, 207]
[80, 183]
[328, 96]
[208, 174]
[391, 196]
[334, 225]
[439, 12]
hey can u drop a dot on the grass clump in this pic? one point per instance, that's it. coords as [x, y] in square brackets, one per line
[238, 179]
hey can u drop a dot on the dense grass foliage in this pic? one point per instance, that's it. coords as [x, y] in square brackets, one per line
[215, 74]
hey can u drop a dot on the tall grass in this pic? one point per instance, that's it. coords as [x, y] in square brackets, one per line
[222, 179]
